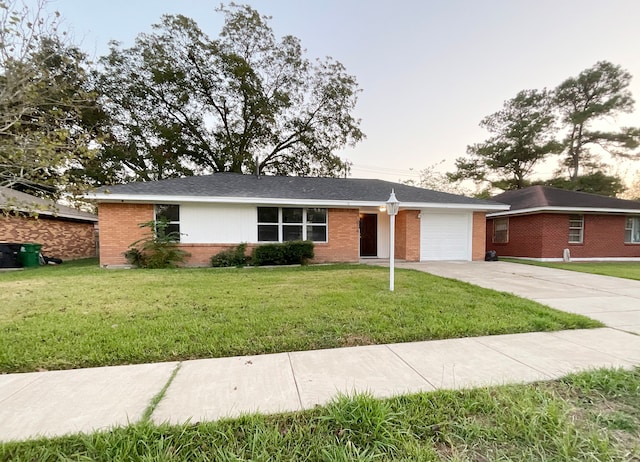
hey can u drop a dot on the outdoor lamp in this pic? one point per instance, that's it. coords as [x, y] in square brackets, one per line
[392, 209]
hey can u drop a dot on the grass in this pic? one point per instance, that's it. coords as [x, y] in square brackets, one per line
[81, 316]
[627, 270]
[591, 416]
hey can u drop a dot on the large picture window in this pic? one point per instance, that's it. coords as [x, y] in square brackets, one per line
[576, 229]
[632, 230]
[171, 214]
[500, 230]
[281, 224]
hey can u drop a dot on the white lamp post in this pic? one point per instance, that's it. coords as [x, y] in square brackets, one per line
[392, 209]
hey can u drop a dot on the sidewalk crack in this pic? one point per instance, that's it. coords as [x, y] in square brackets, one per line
[155, 401]
[411, 367]
[295, 381]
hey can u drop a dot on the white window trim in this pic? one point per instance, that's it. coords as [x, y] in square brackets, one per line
[635, 224]
[493, 238]
[155, 218]
[304, 223]
[580, 228]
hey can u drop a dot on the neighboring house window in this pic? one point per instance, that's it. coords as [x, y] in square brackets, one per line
[280, 224]
[632, 230]
[500, 230]
[576, 229]
[170, 213]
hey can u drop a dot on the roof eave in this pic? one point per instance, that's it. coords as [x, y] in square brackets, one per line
[162, 199]
[563, 209]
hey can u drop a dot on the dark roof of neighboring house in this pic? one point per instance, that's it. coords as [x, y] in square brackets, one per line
[13, 200]
[233, 185]
[548, 198]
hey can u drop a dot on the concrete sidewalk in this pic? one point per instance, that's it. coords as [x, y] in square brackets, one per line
[59, 402]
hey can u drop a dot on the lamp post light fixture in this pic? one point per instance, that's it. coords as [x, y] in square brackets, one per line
[392, 209]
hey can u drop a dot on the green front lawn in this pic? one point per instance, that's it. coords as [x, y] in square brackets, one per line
[592, 416]
[627, 270]
[78, 315]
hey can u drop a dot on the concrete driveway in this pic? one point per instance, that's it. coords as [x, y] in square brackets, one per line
[613, 301]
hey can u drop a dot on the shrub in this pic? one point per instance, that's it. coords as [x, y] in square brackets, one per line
[298, 252]
[159, 249]
[135, 257]
[234, 256]
[288, 253]
[268, 254]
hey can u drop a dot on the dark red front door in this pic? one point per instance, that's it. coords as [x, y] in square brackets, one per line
[368, 235]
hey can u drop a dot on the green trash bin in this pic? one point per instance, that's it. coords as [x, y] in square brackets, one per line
[30, 254]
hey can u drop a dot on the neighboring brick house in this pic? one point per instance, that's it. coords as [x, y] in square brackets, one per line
[343, 216]
[64, 232]
[544, 222]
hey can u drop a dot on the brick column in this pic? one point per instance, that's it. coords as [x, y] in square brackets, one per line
[408, 235]
[119, 228]
[479, 239]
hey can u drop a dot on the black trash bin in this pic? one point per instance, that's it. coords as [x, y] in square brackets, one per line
[10, 255]
[491, 255]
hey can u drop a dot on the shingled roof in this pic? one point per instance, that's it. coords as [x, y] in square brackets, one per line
[545, 198]
[12, 200]
[232, 187]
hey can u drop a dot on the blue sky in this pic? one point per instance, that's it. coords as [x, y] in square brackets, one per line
[430, 70]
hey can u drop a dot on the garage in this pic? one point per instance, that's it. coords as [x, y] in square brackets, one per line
[445, 236]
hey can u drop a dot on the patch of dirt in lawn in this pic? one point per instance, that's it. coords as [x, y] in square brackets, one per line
[22, 284]
[357, 340]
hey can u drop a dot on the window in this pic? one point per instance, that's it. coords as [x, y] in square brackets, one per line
[576, 229]
[317, 225]
[632, 230]
[171, 214]
[500, 230]
[280, 224]
[268, 224]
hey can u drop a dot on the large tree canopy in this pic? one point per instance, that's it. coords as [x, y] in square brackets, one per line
[46, 107]
[524, 133]
[596, 93]
[596, 182]
[183, 103]
[522, 137]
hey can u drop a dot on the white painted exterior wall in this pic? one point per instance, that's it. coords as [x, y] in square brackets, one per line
[445, 235]
[220, 224]
[383, 235]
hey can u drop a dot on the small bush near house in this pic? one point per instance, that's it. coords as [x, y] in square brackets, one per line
[157, 250]
[234, 256]
[288, 253]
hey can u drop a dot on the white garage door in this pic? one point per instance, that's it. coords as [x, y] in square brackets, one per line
[445, 236]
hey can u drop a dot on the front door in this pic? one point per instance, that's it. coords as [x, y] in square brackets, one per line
[368, 235]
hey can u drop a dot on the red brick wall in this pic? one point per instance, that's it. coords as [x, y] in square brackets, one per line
[60, 238]
[408, 235]
[401, 235]
[478, 239]
[546, 235]
[525, 237]
[119, 228]
[201, 253]
[344, 238]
